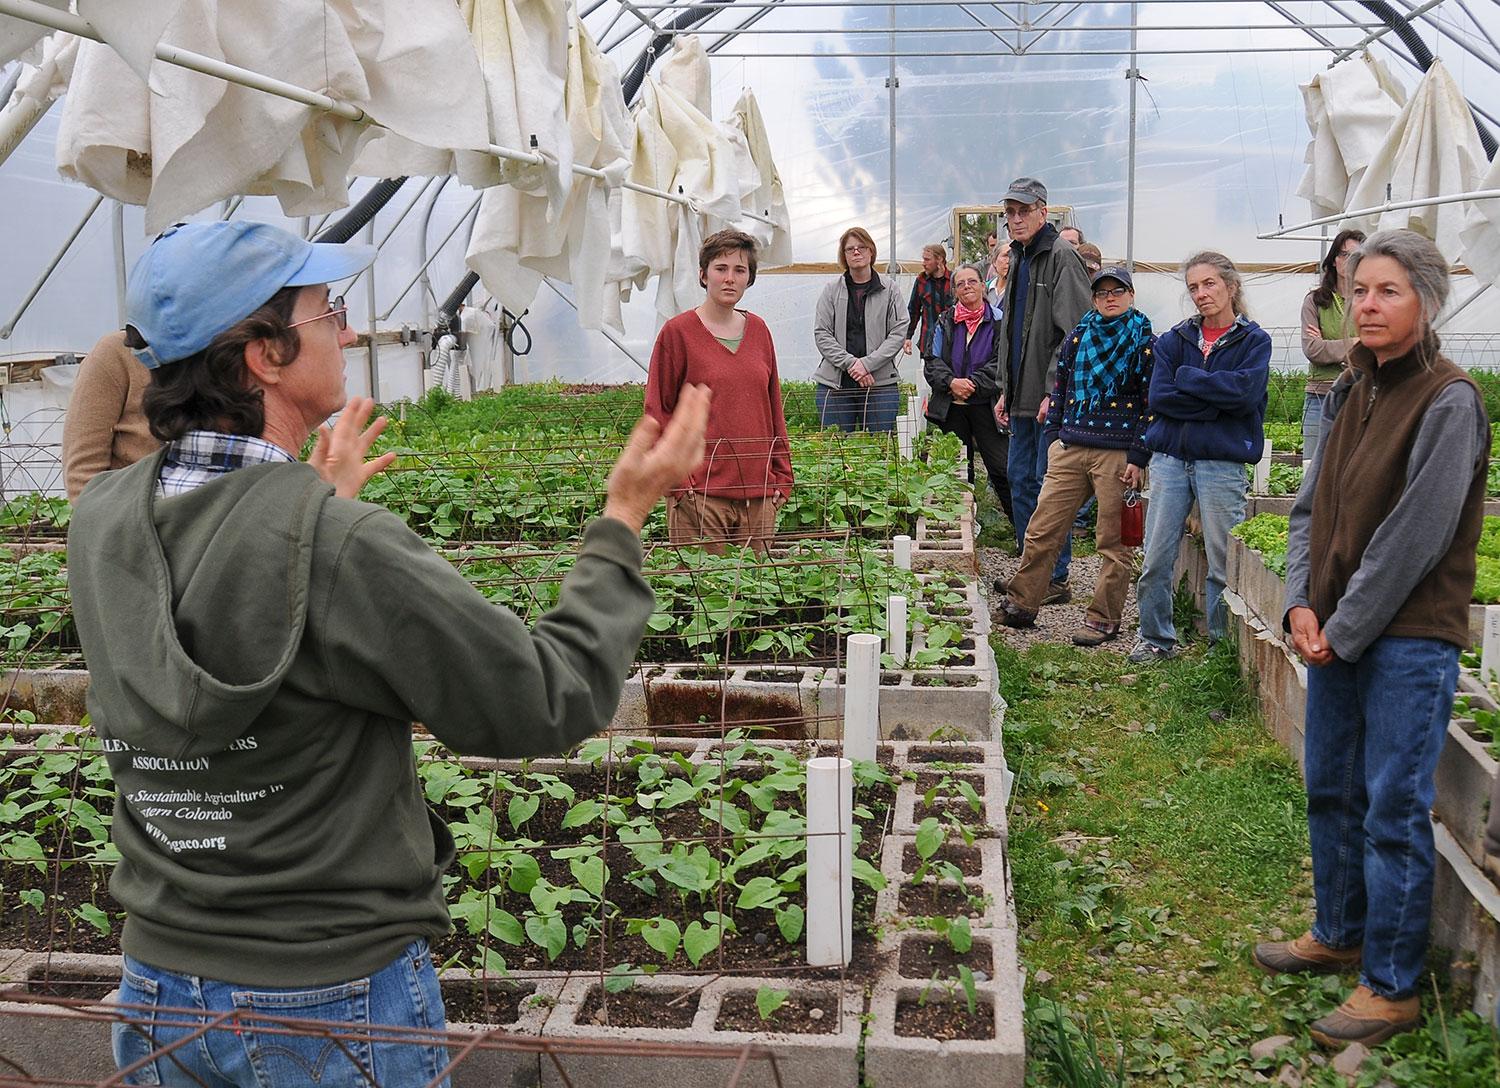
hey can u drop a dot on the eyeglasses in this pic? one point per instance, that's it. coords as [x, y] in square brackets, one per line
[1111, 292]
[336, 310]
[1344, 256]
[856, 248]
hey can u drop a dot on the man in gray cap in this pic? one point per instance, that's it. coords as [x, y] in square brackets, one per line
[1047, 294]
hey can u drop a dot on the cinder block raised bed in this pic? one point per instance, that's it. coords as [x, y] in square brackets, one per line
[827, 1057]
[947, 545]
[803, 701]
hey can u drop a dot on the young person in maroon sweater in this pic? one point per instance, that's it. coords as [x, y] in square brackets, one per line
[746, 476]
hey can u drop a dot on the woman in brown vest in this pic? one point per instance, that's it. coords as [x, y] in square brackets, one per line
[1380, 570]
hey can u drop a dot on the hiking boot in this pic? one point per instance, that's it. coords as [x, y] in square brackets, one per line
[1089, 635]
[1367, 1018]
[1057, 593]
[1305, 956]
[1012, 616]
[1144, 653]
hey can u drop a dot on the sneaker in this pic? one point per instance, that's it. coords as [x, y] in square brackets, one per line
[1367, 1018]
[1012, 616]
[1305, 956]
[1144, 653]
[1089, 635]
[1057, 593]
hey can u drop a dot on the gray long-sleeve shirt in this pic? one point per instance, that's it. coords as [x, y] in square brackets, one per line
[1454, 435]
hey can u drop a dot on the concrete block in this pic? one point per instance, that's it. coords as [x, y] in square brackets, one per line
[892, 1059]
[993, 880]
[56, 1042]
[803, 1061]
[989, 784]
[1465, 783]
[482, 1068]
[55, 696]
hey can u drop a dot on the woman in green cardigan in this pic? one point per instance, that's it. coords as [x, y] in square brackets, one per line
[1325, 341]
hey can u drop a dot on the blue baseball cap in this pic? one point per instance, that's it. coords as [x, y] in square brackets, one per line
[199, 279]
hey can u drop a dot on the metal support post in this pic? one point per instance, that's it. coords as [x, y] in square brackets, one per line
[892, 83]
[10, 326]
[374, 324]
[117, 228]
[1134, 75]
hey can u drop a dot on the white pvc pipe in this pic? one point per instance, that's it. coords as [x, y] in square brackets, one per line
[1388, 206]
[1489, 657]
[901, 546]
[861, 696]
[830, 861]
[1261, 481]
[895, 629]
[914, 410]
[903, 436]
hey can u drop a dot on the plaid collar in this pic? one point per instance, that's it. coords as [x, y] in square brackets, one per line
[200, 456]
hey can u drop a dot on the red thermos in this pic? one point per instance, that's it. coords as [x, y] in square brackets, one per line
[1132, 519]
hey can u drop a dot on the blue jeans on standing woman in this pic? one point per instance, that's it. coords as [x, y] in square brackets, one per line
[1219, 488]
[1375, 729]
[872, 409]
[244, 1055]
[1312, 426]
[1028, 468]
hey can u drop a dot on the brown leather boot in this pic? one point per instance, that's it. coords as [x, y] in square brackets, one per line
[1304, 956]
[1367, 1018]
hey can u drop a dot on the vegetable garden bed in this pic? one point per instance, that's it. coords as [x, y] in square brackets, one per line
[638, 866]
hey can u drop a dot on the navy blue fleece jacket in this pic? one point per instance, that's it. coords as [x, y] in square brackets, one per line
[1210, 408]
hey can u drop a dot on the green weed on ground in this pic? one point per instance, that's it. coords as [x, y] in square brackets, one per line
[1157, 831]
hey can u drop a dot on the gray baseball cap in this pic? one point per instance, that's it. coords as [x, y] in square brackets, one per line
[1027, 191]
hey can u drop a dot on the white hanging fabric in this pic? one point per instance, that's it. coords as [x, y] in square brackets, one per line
[643, 237]
[1432, 150]
[18, 35]
[1480, 233]
[133, 28]
[686, 70]
[1350, 109]
[192, 140]
[521, 236]
[766, 197]
[37, 89]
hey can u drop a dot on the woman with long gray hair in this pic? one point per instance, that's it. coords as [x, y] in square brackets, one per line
[1208, 397]
[1380, 570]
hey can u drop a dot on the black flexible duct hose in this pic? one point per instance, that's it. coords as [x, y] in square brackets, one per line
[352, 221]
[447, 316]
[635, 75]
[1423, 56]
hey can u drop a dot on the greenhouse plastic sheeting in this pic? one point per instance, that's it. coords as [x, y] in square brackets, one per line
[1221, 141]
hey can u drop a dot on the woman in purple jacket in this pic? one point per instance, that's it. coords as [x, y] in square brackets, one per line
[1208, 397]
[963, 371]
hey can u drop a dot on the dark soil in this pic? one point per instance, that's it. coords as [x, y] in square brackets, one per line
[774, 676]
[938, 900]
[944, 1020]
[960, 808]
[942, 680]
[965, 857]
[55, 929]
[484, 1001]
[927, 779]
[921, 955]
[940, 753]
[641, 1008]
[738, 1013]
[48, 982]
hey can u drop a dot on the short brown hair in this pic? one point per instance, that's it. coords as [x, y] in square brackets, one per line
[213, 390]
[721, 242]
[860, 235]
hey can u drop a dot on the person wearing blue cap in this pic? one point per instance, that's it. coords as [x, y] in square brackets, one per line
[259, 643]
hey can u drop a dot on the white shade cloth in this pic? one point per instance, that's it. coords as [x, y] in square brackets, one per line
[1350, 109]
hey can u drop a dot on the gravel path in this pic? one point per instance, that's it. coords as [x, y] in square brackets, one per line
[1058, 622]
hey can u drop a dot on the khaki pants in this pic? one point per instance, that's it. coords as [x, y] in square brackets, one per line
[1073, 474]
[695, 518]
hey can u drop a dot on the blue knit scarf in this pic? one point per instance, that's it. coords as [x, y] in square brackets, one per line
[1106, 348]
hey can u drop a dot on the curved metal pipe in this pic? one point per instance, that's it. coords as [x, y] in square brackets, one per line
[635, 75]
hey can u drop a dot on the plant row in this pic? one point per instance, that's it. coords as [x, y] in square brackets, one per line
[660, 860]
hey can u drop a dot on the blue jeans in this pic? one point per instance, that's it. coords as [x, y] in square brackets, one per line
[1028, 467]
[1374, 733]
[1312, 425]
[872, 409]
[1219, 488]
[245, 1055]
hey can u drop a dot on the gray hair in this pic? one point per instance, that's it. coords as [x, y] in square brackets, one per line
[1424, 265]
[1227, 272]
[974, 267]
